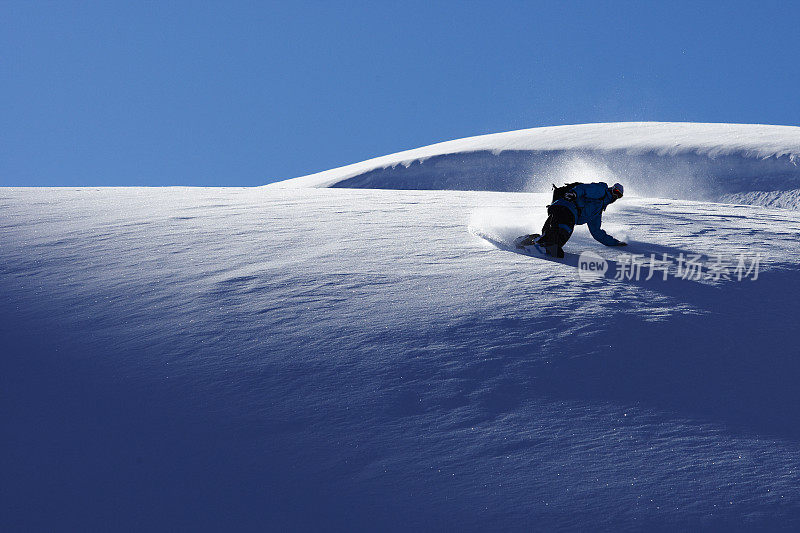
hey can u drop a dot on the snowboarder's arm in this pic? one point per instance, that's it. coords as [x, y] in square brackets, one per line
[600, 235]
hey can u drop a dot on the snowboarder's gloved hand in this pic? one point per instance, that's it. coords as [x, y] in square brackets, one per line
[570, 196]
[620, 243]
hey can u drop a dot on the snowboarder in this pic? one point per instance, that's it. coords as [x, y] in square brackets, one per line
[575, 204]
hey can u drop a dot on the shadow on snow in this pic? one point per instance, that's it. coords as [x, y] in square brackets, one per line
[734, 361]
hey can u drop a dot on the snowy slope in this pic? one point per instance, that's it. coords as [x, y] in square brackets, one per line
[334, 359]
[757, 163]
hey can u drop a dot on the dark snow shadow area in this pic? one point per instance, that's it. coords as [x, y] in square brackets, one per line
[692, 364]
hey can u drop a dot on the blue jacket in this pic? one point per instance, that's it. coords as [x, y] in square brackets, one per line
[592, 199]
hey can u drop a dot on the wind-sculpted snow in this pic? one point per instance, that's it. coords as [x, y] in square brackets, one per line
[211, 359]
[670, 160]
[786, 199]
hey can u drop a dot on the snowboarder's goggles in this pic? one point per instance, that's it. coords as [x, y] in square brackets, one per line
[616, 192]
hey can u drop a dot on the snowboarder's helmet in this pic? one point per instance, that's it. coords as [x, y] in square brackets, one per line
[617, 190]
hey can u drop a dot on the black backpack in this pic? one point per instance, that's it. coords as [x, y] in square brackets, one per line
[559, 192]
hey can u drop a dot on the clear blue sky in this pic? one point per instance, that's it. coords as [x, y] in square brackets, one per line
[245, 93]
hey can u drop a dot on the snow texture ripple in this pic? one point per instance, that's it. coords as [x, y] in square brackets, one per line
[334, 359]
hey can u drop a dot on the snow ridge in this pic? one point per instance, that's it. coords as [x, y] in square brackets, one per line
[675, 160]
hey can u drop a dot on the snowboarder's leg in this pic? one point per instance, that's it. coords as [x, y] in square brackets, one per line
[558, 228]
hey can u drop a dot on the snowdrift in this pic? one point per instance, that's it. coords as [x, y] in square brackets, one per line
[344, 359]
[737, 163]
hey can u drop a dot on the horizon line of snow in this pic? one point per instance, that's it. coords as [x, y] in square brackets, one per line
[757, 141]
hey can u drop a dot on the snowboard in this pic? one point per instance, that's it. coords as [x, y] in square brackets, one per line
[528, 243]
